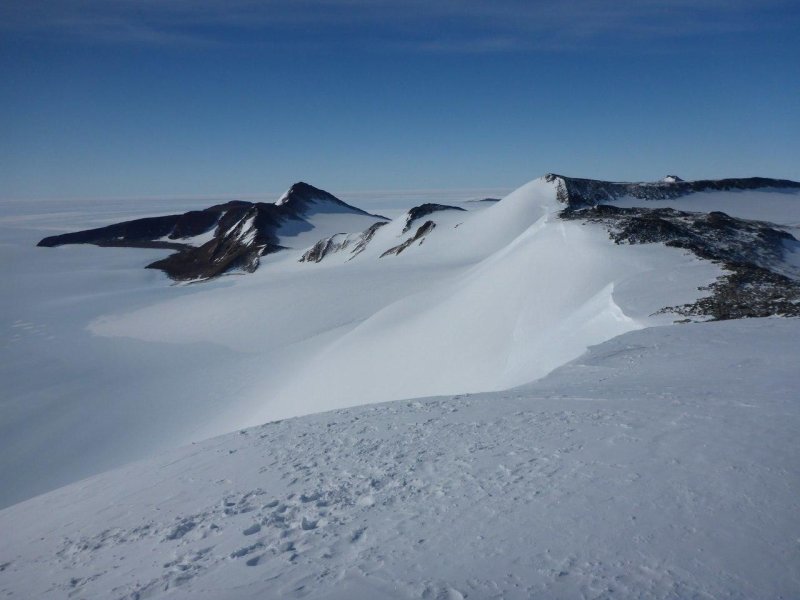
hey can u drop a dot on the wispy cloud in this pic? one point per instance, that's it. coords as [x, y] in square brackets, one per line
[434, 26]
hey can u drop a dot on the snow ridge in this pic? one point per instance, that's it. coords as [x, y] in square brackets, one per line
[576, 192]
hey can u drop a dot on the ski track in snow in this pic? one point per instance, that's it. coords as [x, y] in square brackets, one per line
[638, 471]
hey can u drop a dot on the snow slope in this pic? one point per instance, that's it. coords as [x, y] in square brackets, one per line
[75, 403]
[104, 362]
[661, 464]
[477, 306]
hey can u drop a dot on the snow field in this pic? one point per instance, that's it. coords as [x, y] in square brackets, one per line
[118, 364]
[635, 471]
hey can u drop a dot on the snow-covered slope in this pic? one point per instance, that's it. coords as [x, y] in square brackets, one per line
[661, 464]
[491, 299]
[479, 300]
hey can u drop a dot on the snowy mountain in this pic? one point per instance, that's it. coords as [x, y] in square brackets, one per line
[594, 435]
[233, 236]
[226, 237]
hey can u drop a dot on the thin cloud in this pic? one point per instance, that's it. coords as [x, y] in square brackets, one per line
[430, 26]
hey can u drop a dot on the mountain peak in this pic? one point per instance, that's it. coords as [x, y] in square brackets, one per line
[302, 197]
[301, 192]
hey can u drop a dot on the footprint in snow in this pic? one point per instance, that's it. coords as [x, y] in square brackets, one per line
[247, 550]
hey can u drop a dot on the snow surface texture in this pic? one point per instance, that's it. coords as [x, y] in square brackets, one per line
[104, 362]
[661, 464]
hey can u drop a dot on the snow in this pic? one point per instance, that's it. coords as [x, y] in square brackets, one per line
[247, 232]
[319, 224]
[579, 444]
[451, 315]
[394, 203]
[75, 403]
[660, 464]
[119, 365]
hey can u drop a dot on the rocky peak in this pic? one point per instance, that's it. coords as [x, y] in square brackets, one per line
[576, 192]
[423, 210]
[303, 197]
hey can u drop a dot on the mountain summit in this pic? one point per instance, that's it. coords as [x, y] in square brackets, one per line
[303, 198]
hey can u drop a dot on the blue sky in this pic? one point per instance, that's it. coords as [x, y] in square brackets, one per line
[158, 98]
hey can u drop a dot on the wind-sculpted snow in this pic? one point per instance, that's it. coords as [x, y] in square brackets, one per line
[659, 465]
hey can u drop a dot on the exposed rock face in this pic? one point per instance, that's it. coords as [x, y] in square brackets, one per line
[356, 243]
[423, 210]
[242, 233]
[326, 247]
[154, 232]
[759, 283]
[341, 241]
[745, 292]
[420, 234]
[577, 193]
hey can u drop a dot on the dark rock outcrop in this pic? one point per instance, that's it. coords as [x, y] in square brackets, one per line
[577, 193]
[243, 232]
[356, 243]
[341, 241]
[302, 198]
[745, 292]
[759, 281]
[419, 235]
[423, 210]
